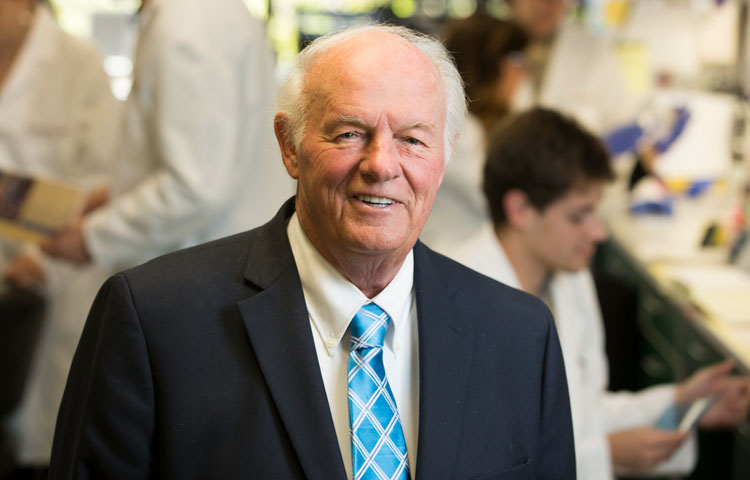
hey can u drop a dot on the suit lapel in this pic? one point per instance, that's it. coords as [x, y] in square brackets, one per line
[277, 323]
[444, 364]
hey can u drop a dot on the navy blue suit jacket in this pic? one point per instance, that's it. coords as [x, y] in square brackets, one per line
[201, 364]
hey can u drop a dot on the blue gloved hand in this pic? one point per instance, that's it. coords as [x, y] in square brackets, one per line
[623, 139]
[682, 115]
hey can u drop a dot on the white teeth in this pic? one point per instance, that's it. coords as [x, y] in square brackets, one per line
[380, 201]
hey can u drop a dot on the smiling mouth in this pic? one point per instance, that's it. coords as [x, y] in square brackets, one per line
[375, 201]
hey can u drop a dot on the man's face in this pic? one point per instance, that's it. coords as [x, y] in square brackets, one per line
[372, 156]
[563, 236]
[540, 18]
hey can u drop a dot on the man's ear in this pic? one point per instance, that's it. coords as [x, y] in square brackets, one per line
[281, 123]
[518, 208]
[452, 144]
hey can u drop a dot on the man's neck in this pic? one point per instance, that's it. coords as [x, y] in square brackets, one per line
[531, 274]
[370, 272]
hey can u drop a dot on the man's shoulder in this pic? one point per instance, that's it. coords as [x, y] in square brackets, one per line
[477, 292]
[211, 266]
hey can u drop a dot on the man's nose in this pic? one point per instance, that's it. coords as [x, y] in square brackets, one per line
[380, 161]
[597, 229]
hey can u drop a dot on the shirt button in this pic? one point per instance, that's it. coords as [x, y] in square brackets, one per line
[396, 346]
[331, 342]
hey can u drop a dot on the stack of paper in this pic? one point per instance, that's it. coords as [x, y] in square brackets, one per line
[32, 209]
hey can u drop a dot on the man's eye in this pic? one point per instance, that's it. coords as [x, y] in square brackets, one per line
[347, 136]
[412, 141]
[576, 219]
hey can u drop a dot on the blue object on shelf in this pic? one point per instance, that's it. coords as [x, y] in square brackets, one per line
[698, 187]
[663, 207]
[682, 117]
[623, 139]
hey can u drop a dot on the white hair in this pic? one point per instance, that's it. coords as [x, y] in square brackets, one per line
[292, 99]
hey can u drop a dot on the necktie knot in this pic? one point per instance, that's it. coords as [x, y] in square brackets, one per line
[368, 327]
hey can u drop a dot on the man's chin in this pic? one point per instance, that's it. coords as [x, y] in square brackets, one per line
[375, 246]
[577, 266]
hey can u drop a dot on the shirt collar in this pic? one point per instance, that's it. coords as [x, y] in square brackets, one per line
[496, 264]
[332, 300]
[488, 257]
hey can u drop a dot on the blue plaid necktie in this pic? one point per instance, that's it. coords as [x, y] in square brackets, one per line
[378, 445]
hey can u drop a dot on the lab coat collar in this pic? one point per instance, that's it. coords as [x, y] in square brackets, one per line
[495, 261]
[39, 50]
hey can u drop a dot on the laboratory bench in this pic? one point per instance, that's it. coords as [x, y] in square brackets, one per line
[687, 308]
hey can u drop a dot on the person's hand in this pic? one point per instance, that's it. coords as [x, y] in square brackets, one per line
[730, 406]
[69, 244]
[706, 381]
[96, 199]
[638, 450]
[24, 272]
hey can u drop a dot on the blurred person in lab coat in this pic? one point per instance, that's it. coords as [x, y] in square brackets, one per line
[571, 69]
[575, 71]
[59, 121]
[543, 179]
[489, 55]
[198, 159]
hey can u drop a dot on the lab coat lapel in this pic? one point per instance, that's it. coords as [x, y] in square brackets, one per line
[277, 323]
[445, 355]
[144, 60]
[34, 59]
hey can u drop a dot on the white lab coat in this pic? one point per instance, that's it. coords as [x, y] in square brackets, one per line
[583, 79]
[59, 120]
[199, 158]
[595, 411]
[460, 207]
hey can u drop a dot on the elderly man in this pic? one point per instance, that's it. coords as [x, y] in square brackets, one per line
[329, 343]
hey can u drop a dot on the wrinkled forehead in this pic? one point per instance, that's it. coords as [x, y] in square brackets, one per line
[374, 60]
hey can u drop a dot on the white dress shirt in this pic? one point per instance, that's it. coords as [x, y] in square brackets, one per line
[332, 301]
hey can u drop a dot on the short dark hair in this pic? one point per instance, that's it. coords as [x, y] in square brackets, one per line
[545, 155]
[478, 44]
